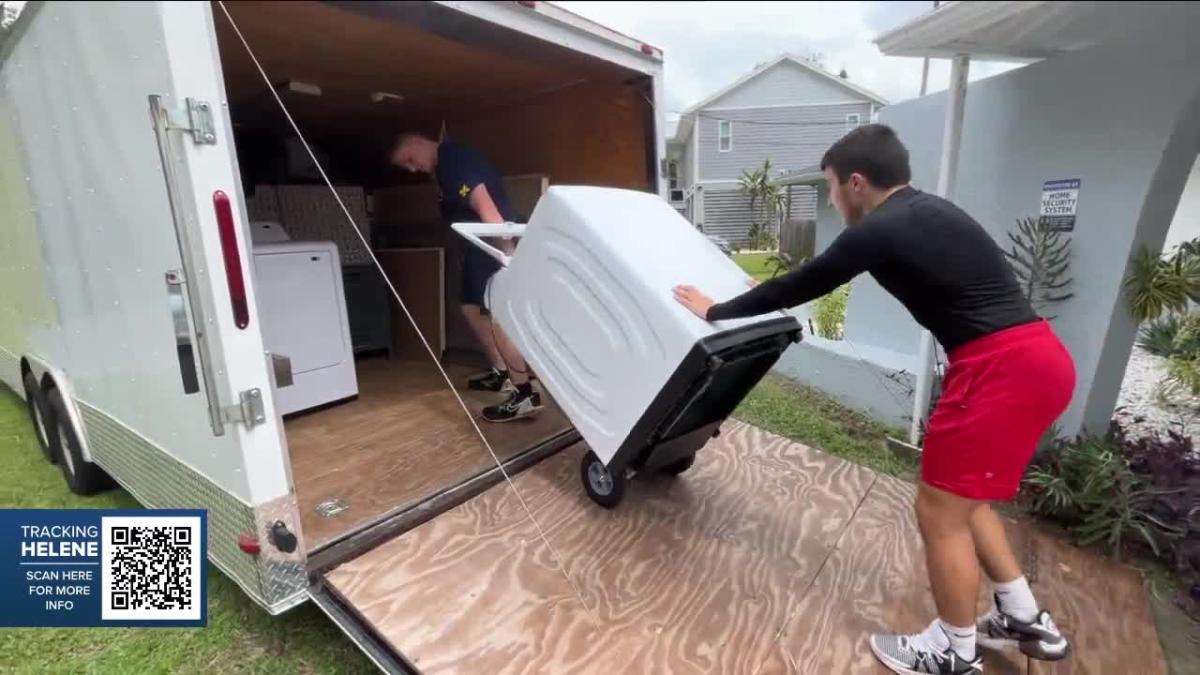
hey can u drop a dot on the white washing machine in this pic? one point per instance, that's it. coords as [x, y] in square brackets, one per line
[587, 299]
[303, 311]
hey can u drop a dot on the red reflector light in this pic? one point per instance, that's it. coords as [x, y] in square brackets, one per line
[249, 543]
[233, 259]
[647, 50]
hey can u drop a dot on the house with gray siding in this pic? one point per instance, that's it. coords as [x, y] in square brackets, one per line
[787, 111]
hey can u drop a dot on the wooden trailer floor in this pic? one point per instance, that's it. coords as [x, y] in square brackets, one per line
[404, 438]
[767, 557]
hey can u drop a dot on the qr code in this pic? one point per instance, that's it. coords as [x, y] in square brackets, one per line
[151, 568]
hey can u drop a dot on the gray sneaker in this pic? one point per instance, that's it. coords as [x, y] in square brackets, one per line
[1039, 639]
[516, 407]
[492, 380]
[910, 655]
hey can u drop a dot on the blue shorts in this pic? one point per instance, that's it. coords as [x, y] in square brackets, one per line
[478, 268]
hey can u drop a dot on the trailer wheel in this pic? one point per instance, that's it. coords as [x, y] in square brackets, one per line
[680, 465]
[83, 478]
[35, 403]
[603, 487]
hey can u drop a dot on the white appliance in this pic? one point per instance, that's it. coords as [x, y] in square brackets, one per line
[587, 298]
[303, 312]
[267, 232]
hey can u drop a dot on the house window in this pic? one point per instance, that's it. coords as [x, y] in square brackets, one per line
[853, 120]
[673, 181]
[724, 136]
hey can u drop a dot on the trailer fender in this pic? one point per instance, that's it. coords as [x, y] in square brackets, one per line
[55, 378]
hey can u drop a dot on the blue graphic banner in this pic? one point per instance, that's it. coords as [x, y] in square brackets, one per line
[92, 567]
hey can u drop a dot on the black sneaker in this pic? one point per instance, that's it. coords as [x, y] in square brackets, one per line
[517, 406]
[909, 655]
[494, 380]
[1039, 639]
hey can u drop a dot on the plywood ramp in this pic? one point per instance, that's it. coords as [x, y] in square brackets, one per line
[697, 574]
[404, 439]
[875, 581]
[766, 557]
[1100, 603]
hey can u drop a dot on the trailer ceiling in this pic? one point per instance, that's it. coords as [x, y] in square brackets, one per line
[445, 64]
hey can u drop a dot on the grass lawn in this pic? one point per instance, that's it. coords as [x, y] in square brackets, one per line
[755, 264]
[243, 638]
[812, 418]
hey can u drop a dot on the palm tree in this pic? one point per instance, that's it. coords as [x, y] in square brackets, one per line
[767, 203]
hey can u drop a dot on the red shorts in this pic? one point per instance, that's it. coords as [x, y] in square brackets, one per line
[1001, 394]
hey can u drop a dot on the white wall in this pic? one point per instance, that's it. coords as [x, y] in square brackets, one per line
[1122, 117]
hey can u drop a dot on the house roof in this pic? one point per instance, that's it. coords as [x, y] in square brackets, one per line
[787, 58]
[688, 116]
[1024, 31]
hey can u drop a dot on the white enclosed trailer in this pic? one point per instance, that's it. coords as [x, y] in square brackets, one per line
[129, 313]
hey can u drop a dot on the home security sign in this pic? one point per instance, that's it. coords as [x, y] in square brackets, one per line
[1060, 201]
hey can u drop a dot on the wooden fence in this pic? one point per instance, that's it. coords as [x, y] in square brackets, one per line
[798, 238]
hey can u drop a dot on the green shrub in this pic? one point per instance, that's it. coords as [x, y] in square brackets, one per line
[1183, 377]
[1158, 336]
[1088, 486]
[1040, 258]
[829, 313]
[1156, 286]
[762, 237]
[1183, 354]
[782, 263]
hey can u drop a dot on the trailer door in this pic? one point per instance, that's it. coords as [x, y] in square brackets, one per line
[126, 152]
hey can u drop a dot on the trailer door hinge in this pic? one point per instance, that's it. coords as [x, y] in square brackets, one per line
[195, 118]
[248, 411]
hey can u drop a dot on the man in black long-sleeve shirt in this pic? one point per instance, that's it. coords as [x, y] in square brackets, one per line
[1009, 379]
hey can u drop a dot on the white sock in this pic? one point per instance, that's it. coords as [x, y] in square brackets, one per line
[933, 638]
[940, 636]
[960, 638]
[1016, 599]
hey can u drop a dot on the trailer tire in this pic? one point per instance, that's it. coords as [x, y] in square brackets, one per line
[83, 478]
[35, 404]
[680, 465]
[602, 486]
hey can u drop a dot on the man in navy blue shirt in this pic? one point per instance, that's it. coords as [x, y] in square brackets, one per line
[471, 191]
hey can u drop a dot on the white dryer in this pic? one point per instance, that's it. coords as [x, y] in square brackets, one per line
[303, 311]
[587, 299]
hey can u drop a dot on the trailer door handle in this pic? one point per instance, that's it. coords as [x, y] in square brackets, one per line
[184, 344]
[282, 367]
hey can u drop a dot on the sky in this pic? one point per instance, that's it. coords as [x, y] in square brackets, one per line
[708, 45]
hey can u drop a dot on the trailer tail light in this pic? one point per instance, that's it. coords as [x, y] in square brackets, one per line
[233, 259]
[647, 50]
[249, 543]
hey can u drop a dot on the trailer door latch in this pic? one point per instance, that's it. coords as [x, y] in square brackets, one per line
[195, 118]
[282, 538]
[249, 410]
